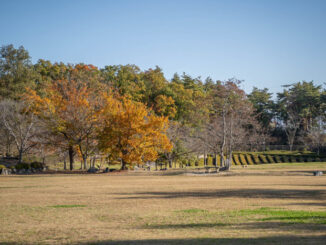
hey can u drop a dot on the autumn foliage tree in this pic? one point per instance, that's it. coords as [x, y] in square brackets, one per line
[81, 113]
[131, 133]
[71, 109]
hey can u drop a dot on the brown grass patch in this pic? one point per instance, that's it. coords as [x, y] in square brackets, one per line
[145, 209]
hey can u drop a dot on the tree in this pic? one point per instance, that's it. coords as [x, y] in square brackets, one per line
[298, 106]
[189, 98]
[182, 142]
[263, 104]
[71, 109]
[16, 72]
[131, 133]
[21, 124]
[164, 106]
[127, 80]
[231, 118]
[316, 135]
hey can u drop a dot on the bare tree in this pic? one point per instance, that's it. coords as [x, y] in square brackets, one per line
[230, 121]
[292, 124]
[183, 143]
[7, 142]
[21, 124]
[316, 134]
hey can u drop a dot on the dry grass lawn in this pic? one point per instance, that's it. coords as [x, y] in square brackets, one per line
[265, 204]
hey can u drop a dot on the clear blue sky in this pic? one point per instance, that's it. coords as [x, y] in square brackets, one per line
[265, 43]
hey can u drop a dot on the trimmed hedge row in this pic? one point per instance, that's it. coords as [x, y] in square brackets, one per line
[252, 158]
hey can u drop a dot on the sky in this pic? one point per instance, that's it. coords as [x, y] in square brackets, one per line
[264, 43]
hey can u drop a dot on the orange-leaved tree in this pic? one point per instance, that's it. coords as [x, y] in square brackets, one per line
[71, 109]
[131, 133]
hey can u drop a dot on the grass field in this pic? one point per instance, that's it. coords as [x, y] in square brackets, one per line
[260, 204]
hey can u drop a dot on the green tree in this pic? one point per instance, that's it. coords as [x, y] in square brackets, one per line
[263, 105]
[16, 72]
[298, 107]
[125, 79]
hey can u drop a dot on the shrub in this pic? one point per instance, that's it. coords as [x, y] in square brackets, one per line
[309, 159]
[263, 158]
[37, 165]
[200, 162]
[236, 159]
[23, 166]
[300, 159]
[218, 159]
[277, 159]
[293, 159]
[285, 158]
[209, 160]
[270, 159]
[249, 159]
[256, 159]
[243, 159]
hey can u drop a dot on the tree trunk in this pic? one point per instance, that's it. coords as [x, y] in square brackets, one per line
[85, 162]
[93, 161]
[64, 163]
[8, 149]
[170, 163]
[123, 165]
[71, 157]
[229, 158]
[224, 138]
[20, 156]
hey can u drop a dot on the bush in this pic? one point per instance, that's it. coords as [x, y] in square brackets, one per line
[236, 159]
[218, 159]
[249, 159]
[2, 166]
[209, 160]
[285, 158]
[309, 159]
[300, 159]
[270, 159]
[37, 165]
[256, 159]
[200, 162]
[293, 159]
[23, 166]
[263, 158]
[243, 159]
[277, 159]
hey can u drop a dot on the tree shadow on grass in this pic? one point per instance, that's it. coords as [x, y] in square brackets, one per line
[321, 204]
[242, 193]
[184, 226]
[280, 225]
[275, 240]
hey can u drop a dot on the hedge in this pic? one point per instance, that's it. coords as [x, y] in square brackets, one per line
[236, 159]
[270, 159]
[263, 158]
[249, 159]
[243, 159]
[256, 159]
[285, 158]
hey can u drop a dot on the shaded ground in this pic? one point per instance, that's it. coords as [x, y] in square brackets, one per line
[248, 206]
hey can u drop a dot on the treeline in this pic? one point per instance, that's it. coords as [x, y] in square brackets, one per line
[125, 114]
